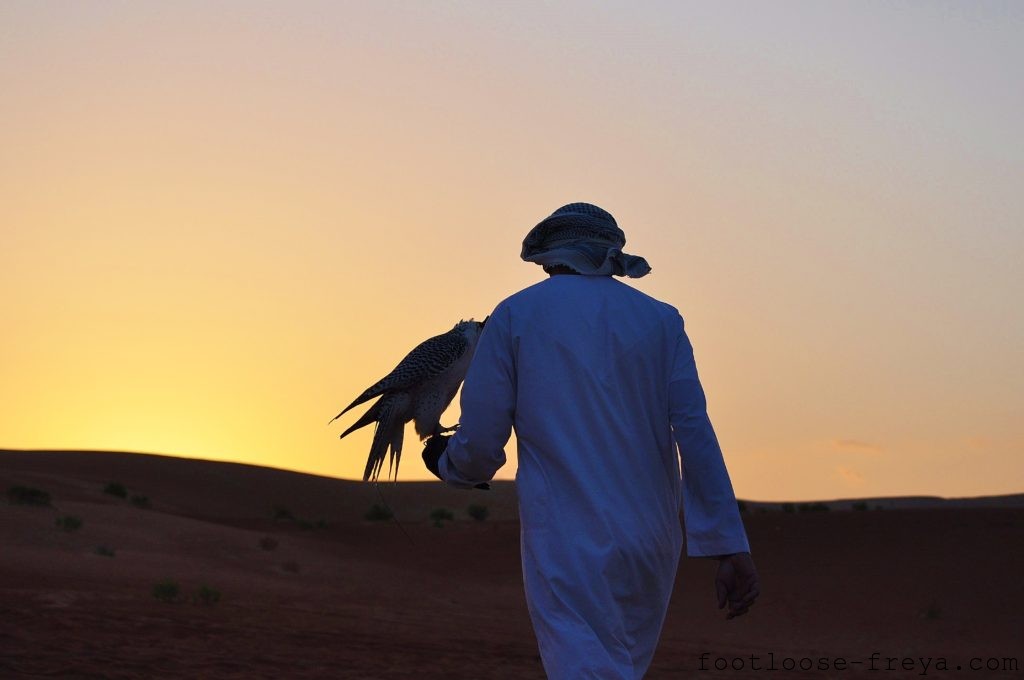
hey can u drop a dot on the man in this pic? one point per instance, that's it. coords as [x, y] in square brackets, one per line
[599, 382]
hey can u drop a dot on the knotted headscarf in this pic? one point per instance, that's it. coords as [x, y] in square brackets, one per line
[585, 238]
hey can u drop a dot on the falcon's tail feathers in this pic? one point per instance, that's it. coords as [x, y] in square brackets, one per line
[396, 451]
[359, 400]
[384, 436]
[370, 416]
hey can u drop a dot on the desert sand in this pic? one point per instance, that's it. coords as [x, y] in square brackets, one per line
[309, 588]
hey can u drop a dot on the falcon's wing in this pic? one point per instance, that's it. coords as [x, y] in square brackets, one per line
[429, 358]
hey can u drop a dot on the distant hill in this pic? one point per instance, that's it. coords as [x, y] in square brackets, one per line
[219, 491]
[892, 503]
[222, 490]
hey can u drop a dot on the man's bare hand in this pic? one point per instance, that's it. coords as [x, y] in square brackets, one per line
[737, 583]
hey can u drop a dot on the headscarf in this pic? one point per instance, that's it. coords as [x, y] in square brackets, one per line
[585, 238]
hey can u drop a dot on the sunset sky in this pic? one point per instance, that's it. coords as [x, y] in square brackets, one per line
[221, 221]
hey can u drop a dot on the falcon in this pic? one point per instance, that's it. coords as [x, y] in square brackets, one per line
[420, 388]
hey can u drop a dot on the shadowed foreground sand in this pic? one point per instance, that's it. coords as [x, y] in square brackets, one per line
[337, 596]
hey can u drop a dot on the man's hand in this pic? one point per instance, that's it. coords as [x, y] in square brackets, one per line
[737, 583]
[432, 451]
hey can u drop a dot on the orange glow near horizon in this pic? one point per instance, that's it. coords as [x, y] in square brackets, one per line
[220, 225]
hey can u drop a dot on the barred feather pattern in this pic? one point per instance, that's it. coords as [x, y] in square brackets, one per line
[429, 358]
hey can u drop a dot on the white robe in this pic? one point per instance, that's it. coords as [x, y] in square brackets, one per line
[599, 381]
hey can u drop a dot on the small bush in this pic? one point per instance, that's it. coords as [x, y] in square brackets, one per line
[282, 514]
[166, 591]
[812, 507]
[478, 512]
[788, 507]
[140, 501]
[268, 543]
[206, 596]
[69, 523]
[26, 495]
[116, 489]
[290, 566]
[860, 506]
[932, 611]
[378, 513]
[104, 551]
[320, 524]
[439, 515]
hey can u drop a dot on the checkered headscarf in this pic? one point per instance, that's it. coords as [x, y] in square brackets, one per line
[587, 239]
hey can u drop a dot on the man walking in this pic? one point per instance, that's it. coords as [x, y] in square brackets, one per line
[599, 382]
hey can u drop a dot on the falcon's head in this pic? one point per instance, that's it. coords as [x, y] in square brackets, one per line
[470, 329]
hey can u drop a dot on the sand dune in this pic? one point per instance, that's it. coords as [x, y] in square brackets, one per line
[310, 589]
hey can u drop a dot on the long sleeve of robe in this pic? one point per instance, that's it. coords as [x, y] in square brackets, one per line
[599, 382]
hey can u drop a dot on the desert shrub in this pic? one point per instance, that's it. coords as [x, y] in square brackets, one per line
[320, 524]
[69, 523]
[788, 507]
[439, 515]
[378, 512]
[290, 566]
[932, 611]
[860, 506]
[282, 514]
[26, 495]
[812, 507]
[104, 551]
[206, 595]
[140, 501]
[116, 489]
[166, 591]
[478, 512]
[268, 543]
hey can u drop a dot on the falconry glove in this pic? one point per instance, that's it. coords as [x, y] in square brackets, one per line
[432, 450]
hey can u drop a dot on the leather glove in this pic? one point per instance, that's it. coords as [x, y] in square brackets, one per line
[432, 450]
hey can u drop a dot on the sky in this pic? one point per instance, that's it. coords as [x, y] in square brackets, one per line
[221, 221]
